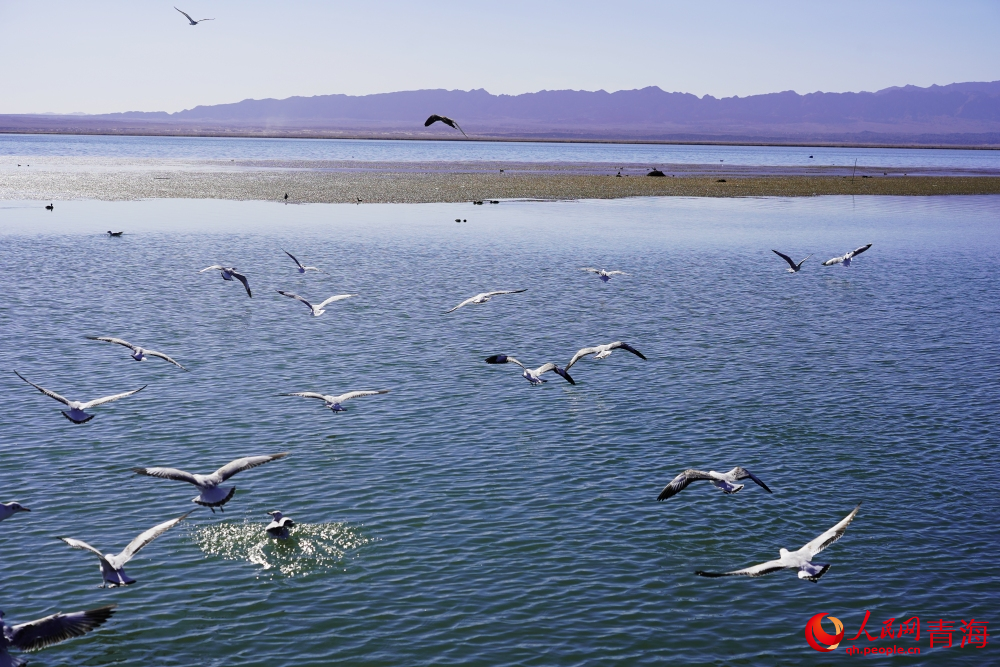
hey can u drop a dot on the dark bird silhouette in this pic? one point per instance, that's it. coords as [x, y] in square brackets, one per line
[50, 207]
[111, 233]
[792, 266]
[191, 20]
[286, 196]
[447, 121]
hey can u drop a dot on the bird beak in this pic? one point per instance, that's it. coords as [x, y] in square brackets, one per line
[25, 509]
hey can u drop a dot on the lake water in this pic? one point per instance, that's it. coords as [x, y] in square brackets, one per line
[213, 148]
[467, 517]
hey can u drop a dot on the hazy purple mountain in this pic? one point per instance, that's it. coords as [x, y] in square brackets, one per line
[962, 113]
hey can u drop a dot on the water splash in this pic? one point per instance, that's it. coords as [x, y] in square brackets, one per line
[310, 548]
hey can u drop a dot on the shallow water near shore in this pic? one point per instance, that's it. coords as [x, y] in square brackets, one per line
[467, 517]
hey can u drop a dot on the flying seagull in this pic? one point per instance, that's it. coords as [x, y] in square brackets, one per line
[792, 266]
[54, 629]
[604, 275]
[211, 494]
[846, 259]
[723, 480]
[318, 309]
[278, 528]
[447, 121]
[76, 410]
[138, 353]
[191, 20]
[112, 566]
[532, 375]
[800, 560]
[484, 297]
[602, 351]
[7, 510]
[228, 273]
[301, 268]
[334, 402]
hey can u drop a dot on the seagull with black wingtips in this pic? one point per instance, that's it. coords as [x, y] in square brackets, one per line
[113, 565]
[792, 266]
[278, 528]
[726, 481]
[603, 351]
[447, 121]
[299, 266]
[211, 494]
[138, 353]
[54, 629]
[603, 274]
[317, 309]
[334, 402]
[532, 375]
[800, 560]
[846, 258]
[191, 20]
[228, 273]
[484, 297]
[76, 412]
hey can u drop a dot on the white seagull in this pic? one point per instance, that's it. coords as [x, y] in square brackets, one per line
[278, 528]
[484, 297]
[54, 629]
[318, 309]
[228, 273]
[138, 353]
[800, 560]
[112, 566]
[846, 259]
[334, 402]
[604, 275]
[792, 266]
[602, 351]
[76, 410]
[7, 510]
[532, 375]
[723, 480]
[211, 494]
[298, 264]
[191, 20]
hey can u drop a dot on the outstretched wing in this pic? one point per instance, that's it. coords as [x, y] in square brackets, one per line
[357, 394]
[57, 628]
[503, 359]
[506, 291]
[860, 250]
[214, 267]
[187, 15]
[293, 258]
[580, 355]
[464, 303]
[832, 535]
[752, 571]
[786, 258]
[306, 394]
[80, 544]
[458, 127]
[339, 297]
[545, 368]
[292, 295]
[242, 278]
[145, 538]
[679, 483]
[110, 399]
[154, 353]
[628, 348]
[117, 341]
[50, 394]
[167, 473]
[239, 465]
[433, 118]
[616, 273]
[743, 473]
[587, 268]
[835, 260]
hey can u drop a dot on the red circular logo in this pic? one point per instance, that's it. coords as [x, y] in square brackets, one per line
[817, 637]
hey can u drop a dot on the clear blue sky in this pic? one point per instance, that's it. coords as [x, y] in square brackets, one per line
[104, 55]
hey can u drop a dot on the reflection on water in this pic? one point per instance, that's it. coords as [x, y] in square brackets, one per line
[310, 548]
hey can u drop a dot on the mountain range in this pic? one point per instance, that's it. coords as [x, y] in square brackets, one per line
[961, 114]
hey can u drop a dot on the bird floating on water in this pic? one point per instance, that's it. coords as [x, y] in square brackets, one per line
[114, 234]
[846, 259]
[532, 375]
[278, 528]
[602, 351]
[228, 273]
[484, 297]
[191, 20]
[211, 494]
[138, 353]
[301, 268]
[112, 565]
[318, 309]
[726, 481]
[76, 412]
[447, 121]
[334, 402]
[792, 266]
[8, 510]
[50, 207]
[800, 560]
[54, 629]
[604, 275]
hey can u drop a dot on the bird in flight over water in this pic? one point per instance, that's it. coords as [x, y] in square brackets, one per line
[792, 266]
[54, 629]
[723, 480]
[191, 20]
[846, 258]
[484, 297]
[447, 121]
